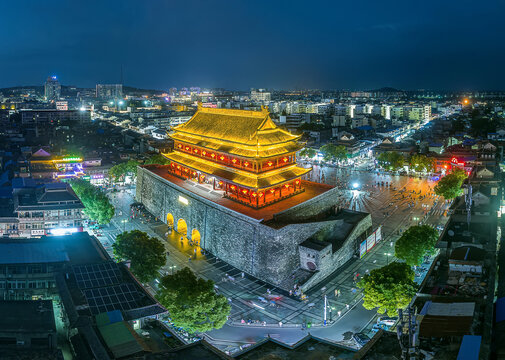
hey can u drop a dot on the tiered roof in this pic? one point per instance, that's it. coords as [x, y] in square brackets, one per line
[239, 132]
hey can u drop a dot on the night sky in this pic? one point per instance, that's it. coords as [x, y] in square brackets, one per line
[239, 44]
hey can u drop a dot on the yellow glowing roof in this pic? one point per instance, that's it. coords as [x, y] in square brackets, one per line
[239, 150]
[240, 177]
[238, 127]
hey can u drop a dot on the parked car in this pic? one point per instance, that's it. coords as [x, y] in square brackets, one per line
[377, 327]
[361, 339]
[387, 320]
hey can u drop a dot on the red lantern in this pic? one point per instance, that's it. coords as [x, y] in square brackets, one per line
[204, 152]
[220, 183]
[260, 194]
[178, 167]
[253, 194]
[244, 191]
[272, 191]
[234, 161]
[221, 157]
[297, 182]
[213, 155]
[286, 186]
[246, 164]
[196, 151]
[187, 147]
[285, 159]
[173, 165]
[232, 187]
[180, 146]
[270, 163]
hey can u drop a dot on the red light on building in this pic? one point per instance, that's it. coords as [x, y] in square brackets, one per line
[233, 187]
[187, 147]
[196, 151]
[213, 155]
[270, 163]
[178, 167]
[297, 182]
[246, 164]
[204, 152]
[244, 191]
[260, 194]
[180, 146]
[220, 183]
[234, 161]
[254, 194]
[221, 157]
[285, 159]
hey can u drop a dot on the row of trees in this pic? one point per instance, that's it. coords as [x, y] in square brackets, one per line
[191, 302]
[392, 287]
[97, 205]
[120, 171]
[394, 161]
[331, 152]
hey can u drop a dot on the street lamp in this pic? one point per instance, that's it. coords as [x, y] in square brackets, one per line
[124, 224]
[388, 255]
[172, 269]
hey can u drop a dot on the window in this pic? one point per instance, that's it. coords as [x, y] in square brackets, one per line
[32, 284]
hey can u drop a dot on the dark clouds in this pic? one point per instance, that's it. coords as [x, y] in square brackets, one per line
[241, 44]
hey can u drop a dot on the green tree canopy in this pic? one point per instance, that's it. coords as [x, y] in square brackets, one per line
[308, 152]
[333, 152]
[391, 160]
[147, 254]
[97, 205]
[450, 185]
[119, 171]
[415, 243]
[192, 302]
[388, 288]
[157, 159]
[419, 163]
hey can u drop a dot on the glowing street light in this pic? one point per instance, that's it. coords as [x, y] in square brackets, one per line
[355, 185]
[388, 255]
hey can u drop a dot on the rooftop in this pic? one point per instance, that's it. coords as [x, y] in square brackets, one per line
[312, 190]
[27, 316]
[236, 126]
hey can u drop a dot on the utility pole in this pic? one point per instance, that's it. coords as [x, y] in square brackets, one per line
[325, 306]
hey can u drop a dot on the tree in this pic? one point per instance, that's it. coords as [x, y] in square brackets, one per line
[192, 302]
[121, 170]
[333, 152]
[391, 160]
[388, 288]
[419, 163]
[450, 185]
[157, 159]
[415, 243]
[308, 152]
[97, 205]
[147, 254]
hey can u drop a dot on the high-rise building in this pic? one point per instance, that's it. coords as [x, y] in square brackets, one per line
[52, 88]
[109, 91]
[260, 95]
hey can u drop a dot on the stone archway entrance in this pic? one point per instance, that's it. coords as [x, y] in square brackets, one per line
[182, 227]
[170, 220]
[195, 236]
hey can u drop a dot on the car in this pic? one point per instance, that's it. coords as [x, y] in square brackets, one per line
[377, 327]
[387, 320]
[361, 338]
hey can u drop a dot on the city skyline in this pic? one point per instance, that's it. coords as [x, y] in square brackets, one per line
[242, 45]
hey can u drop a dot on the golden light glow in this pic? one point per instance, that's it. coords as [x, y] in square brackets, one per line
[234, 161]
[221, 157]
